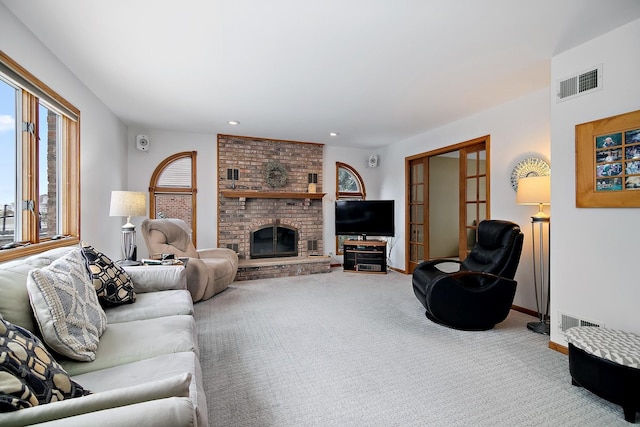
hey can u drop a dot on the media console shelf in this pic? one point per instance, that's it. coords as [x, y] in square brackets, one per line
[365, 256]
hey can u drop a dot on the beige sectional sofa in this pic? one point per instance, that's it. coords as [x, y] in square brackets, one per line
[145, 370]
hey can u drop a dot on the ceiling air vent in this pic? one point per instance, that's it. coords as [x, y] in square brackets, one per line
[580, 84]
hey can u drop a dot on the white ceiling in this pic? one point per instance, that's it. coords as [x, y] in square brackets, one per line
[376, 71]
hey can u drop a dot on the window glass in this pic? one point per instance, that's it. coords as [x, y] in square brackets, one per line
[8, 185]
[48, 193]
[347, 181]
[174, 205]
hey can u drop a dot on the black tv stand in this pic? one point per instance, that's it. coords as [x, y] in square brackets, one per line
[365, 256]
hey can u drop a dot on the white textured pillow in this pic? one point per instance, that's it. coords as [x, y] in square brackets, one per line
[66, 307]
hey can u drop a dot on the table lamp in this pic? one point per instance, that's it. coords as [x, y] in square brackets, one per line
[128, 203]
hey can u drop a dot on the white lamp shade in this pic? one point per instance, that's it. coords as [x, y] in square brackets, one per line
[128, 203]
[534, 190]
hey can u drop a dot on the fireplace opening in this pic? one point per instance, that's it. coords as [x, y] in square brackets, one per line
[274, 240]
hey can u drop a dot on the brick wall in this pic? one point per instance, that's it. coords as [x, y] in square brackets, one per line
[237, 217]
[175, 206]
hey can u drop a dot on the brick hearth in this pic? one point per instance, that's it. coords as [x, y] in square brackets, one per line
[249, 269]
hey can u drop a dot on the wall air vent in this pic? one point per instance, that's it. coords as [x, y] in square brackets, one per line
[579, 84]
[569, 321]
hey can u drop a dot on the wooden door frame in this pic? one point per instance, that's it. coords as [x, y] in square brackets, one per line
[407, 207]
[462, 186]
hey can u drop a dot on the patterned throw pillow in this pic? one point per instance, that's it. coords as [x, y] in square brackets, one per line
[113, 285]
[66, 307]
[28, 374]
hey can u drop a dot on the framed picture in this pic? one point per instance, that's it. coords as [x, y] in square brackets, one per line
[608, 162]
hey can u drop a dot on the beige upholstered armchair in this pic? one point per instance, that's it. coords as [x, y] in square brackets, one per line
[209, 271]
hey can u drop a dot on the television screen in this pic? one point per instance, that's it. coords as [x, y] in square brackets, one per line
[365, 218]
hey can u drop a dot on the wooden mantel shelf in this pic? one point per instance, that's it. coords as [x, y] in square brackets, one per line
[270, 195]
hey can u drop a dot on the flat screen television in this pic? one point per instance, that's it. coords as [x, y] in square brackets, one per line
[365, 218]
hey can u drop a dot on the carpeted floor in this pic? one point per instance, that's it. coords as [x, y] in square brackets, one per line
[346, 349]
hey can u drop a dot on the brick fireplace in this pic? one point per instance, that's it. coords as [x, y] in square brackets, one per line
[263, 184]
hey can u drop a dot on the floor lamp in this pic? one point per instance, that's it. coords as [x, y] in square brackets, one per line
[536, 190]
[128, 203]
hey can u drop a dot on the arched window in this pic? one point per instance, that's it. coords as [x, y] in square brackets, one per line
[172, 190]
[349, 185]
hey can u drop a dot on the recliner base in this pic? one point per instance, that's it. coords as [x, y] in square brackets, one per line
[459, 328]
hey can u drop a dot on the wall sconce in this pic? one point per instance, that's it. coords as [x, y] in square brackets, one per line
[313, 182]
[233, 175]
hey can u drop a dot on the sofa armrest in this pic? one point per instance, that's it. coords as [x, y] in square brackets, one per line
[176, 386]
[197, 278]
[167, 412]
[151, 278]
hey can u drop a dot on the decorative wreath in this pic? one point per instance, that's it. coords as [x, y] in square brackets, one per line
[275, 175]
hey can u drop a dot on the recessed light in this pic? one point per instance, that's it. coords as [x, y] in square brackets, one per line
[233, 122]
[333, 134]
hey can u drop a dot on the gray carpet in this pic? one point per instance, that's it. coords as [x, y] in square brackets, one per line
[345, 349]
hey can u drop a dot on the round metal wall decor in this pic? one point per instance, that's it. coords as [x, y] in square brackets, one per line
[532, 166]
[275, 175]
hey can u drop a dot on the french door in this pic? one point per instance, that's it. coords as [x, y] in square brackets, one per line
[447, 196]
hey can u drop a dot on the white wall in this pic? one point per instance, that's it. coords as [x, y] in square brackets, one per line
[594, 273]
[163, 144]
[518, 129]
[103, 137]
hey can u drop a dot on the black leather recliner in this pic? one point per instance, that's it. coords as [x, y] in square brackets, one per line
[480, 294]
